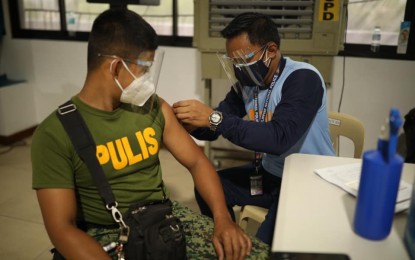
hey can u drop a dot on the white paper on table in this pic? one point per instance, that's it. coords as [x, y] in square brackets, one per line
[347, 177]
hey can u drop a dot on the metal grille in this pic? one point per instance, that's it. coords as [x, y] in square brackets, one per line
[294, 18]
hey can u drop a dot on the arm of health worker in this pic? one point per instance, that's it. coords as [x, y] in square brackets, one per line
[302, 95]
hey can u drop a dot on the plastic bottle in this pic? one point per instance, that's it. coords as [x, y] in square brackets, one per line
[379, 184]
[71, 23]
[376, 35]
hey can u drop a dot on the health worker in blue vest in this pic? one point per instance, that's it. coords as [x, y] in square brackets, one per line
[275, 107]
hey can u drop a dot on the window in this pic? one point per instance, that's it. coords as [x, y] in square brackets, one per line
[73, 19]
[365, 15]
[186, 20]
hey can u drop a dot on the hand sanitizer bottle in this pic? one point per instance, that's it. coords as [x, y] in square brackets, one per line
[379, 184]
[376, 35]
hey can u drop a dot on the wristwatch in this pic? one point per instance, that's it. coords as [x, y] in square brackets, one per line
[215, 119]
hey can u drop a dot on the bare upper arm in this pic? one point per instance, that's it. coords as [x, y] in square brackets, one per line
[58, 207]
[178, 141]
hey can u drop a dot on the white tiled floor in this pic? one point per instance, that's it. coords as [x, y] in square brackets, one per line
[22, 233]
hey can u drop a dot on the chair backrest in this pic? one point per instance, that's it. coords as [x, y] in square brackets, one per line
[348, 126]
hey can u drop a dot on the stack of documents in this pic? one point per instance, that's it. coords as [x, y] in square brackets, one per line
[347, 177]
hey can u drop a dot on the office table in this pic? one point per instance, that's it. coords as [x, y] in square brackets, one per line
[317, 216]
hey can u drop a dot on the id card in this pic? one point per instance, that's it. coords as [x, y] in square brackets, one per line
[256, 185]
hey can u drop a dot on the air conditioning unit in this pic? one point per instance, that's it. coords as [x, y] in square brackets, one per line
[310, 30]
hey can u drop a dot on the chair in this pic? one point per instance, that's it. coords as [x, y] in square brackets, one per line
[342, 124]
[251, 212]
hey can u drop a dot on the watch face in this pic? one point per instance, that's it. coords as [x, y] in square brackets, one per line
[215, 118]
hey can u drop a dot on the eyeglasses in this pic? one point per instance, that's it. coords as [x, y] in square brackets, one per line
[143, 63]
[241, 57]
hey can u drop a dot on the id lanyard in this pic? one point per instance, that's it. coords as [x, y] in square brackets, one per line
[256, 178]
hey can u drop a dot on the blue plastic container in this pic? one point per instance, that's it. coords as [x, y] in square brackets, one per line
[379, 185]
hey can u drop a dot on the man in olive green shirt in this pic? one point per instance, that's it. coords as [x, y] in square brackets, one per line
[121, 49]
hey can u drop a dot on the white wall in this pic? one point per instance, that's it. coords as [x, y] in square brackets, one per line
[372, 87]
[55, 70]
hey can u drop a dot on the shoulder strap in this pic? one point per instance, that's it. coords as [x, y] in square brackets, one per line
[85, 146]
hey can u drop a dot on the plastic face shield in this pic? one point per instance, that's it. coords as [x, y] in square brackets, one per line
[156, 68]
[145, 67]
[242, 69]
[154, 71]
[155, 75]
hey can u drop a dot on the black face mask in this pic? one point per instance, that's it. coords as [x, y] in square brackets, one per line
[252, 75]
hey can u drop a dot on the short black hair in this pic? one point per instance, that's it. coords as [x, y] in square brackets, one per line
[120, 32]
[259, 27]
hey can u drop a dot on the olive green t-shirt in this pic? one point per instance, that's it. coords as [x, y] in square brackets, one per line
[127, 147]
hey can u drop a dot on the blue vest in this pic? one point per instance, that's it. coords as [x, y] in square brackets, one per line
[316, 139]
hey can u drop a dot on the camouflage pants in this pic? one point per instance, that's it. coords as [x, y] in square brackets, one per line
[198, 230]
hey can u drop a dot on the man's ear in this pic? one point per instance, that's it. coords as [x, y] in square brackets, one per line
[272, 50]
[114, 67]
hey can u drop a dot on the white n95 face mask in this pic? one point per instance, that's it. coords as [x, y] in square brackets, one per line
[139, 90]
